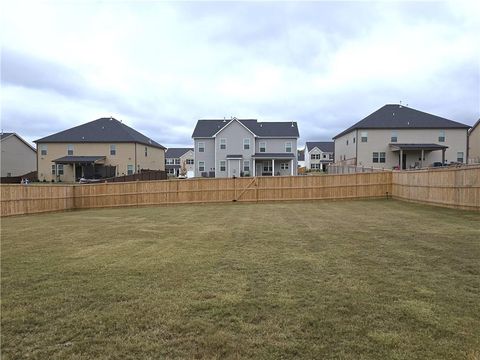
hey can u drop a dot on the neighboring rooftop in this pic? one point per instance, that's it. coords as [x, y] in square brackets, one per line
[5, 135]
[103, 130]
[324, 146]
[394, 116]
[208, 128]
[175, 153]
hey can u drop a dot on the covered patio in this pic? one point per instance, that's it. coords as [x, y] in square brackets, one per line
[91, 167]
[418, 149]
[273, 164]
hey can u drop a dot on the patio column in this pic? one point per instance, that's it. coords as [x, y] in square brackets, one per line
[74, 174]
[401, 159]
[273, 167]
[253, 167]
[421, 159]
[291, 171]
[443, 156]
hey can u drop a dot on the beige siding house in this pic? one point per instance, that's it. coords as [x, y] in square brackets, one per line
[474, 144]
[397, 136]
[18, 156]
[98, 149]
[177, 159]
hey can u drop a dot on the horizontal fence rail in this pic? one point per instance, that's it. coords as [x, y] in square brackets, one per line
[458, 188]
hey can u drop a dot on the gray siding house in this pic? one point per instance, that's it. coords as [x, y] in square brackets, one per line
[245, 147]
[399, 137]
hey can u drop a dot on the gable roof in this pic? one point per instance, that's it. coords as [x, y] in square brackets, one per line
[393, 116]
[325, 146]
[103, 130]
[206, 128]
[6, 135]
[175, 153]
[474, 127]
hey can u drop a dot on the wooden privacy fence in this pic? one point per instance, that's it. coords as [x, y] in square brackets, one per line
[18, 199]
[449, 187]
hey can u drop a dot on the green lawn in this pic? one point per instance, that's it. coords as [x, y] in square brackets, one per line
[376, 279]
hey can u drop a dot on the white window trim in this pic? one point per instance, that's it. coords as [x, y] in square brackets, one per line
[246, 162]
[291, 146]
[70, 148]
[260, 146]
[114, 148]
[200, 165]
[224, 166]
[133, 169]
[202, 143]
[222, 141]
[245, 142]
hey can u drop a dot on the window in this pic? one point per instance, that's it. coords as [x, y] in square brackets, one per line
[324, 156]
[169, 161]
[113, 149]
[171, 171]
[246, 144]
[441, 136]
[354, 140]
[201, 147]
[146, 151]
[378, 157]
[460, 156]
[288, 147]
[223, 165]
[189, 161]
[223, 144]
[201, 166]
[53, 169]
[364, 135]
[177, 161]
[129, 169]
[9, 174]
[315, 156]
[246, 166]
[263, 146]
[347, 142]
[315, 166]
[267, 166]
[60, 169]
[43, 149]
[382, 157]
[394, 137]
[70, 149]
[284, 166]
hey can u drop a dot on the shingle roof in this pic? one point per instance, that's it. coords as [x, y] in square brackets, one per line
[325, 146]
[273, 155]
[393, 116]
[175, 153]
[208, 128]
[102, 130]
[417, 146]
[78, 159]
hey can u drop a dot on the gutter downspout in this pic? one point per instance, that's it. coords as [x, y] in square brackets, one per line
[135, 171]
[356, 147]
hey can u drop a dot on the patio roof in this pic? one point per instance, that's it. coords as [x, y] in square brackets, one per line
[230, 157]
[78, 159]
[398, 147]
[273, 156]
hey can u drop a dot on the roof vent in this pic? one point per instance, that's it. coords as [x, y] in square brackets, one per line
[149, 141]
[224, 120]
[103, 127]
[111, 117]
[393, 114]
[83, 137]
[293, 125]
[234, 118]
[261, 124]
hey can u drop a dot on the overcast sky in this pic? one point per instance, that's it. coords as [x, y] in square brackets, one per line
[161, 66]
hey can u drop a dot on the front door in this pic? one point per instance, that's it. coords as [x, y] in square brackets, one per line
[234, 167]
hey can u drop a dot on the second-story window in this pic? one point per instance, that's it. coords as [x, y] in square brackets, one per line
[394, 137]
[262, 146]
[201, 147]
[441, 136]
[146, 151]
[113, 149]
[223, 144]
[288, 147]
[170, 161]
[364, 135]
[70, 149]
[189, 161]
[43, 149]
[177, 161]
[246, 144]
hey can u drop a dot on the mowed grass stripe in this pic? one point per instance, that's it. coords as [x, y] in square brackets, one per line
[348, 280]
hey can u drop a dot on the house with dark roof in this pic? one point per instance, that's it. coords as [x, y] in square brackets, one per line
[474, 144]
[180, 161]
[318, 154]
[396, 136]
[18, 156]
[245, 147]
[102, 148]
[300, 158]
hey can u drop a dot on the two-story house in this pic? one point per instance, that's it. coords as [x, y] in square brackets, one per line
[245, 147]
[18, 156]
[98, 149]
[177, 159]
[318, 154]
[396, 136]
[474, 144]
